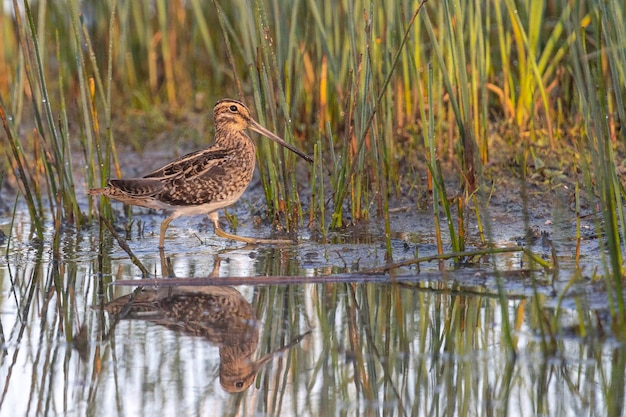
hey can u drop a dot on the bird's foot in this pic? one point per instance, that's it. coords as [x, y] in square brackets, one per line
[253, 241]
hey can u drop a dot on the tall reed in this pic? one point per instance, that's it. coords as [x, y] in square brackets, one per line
[351, 78]
[600, 84]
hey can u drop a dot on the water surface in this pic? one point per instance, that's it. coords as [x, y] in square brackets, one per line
[434, 342]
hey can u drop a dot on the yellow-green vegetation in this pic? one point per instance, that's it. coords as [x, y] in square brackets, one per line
[377, 91]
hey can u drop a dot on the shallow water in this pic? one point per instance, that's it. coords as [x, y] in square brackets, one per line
[429, 343]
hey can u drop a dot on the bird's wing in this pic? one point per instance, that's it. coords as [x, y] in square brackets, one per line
[193, 179]
[137, 187]
[194, 164]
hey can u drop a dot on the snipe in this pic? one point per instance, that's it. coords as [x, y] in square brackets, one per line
[203, 181]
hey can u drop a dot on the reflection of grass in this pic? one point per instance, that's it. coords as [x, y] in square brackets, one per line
[371, 92]
[427, 348]
[420, 350]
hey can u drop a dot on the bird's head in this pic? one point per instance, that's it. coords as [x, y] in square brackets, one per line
[233, 116]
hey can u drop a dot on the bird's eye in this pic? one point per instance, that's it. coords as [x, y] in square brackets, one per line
[233, 108]
[239, 384]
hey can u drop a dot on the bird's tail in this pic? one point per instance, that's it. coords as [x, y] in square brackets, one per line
[96, 191]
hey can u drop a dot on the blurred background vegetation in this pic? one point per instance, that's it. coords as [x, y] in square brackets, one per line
[382, 93]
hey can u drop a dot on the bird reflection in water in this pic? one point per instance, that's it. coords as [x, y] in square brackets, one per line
[220, 314]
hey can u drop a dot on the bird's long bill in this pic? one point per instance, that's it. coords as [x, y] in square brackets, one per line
[263, 131]
[265, 359]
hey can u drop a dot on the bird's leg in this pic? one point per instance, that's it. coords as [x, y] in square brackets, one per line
[166, 265]
[164, 225]
[221, 233]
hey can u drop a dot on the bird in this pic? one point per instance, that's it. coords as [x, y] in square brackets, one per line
[204, 181]
[219, 314]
